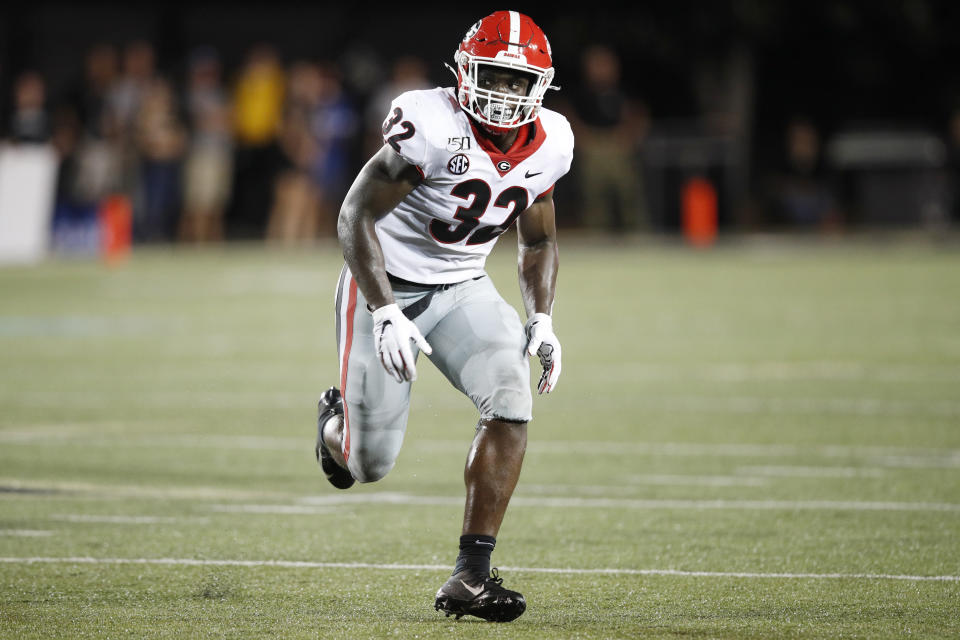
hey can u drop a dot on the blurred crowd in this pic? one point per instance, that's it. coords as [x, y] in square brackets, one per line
[263, 152]
[266, 150]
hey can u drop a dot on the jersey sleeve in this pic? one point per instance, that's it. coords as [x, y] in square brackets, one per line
[565, 150]
[559, 146]
[404, 130]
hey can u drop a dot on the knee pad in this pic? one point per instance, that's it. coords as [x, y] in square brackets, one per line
[375, 443]
[509, 397]
[505, 394]
[369, 466]
[510, 404]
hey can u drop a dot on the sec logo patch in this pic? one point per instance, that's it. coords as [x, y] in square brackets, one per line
[458, 164]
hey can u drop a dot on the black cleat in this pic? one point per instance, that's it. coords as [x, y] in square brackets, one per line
[331, 404]
[472, 594]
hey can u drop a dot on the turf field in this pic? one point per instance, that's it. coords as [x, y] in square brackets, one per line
[754, 441]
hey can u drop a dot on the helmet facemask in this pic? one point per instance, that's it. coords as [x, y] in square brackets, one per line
[500, 110]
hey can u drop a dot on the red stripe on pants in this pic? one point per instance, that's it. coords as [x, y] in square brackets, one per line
[348, 343]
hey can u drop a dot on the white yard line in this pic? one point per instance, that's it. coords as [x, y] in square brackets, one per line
[25, 533]
[136, 491]
[632, 483]
[133, 439]
[117, 519]
[279, 509]
[634, 503]
[679, 480]
[536, 495]
[936, 456]
[777, 371]
[783, 471]
[267, 399]
[77, 399]
[886, 456]
[296, 564]
[864, 406]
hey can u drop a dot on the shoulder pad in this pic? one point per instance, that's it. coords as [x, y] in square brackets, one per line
[412, 115]
[559, 136]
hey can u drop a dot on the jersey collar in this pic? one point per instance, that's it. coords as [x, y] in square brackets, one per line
[529, 139]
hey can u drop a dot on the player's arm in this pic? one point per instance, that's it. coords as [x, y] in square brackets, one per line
[537, 266]
[382, 183]
[538, 259]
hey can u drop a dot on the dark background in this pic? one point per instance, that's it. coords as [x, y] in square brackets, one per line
[841, 60]
[844, 63]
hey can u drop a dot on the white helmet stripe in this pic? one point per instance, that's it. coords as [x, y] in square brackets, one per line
[514, 32]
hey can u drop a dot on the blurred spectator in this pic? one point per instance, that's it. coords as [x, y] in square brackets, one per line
[74, 225]
[259, 97]
[93, 96]
[257, 107]
[293, 216]
[127, 91]
[319, 127]
[87, 135]
[802, 195]
[66, 133]
[609, 126]
[362, 69]
[407, 74]
[90, 167]
[161, 141]
[124, 106]
[29, 121]
[335, 125]
[209, 162]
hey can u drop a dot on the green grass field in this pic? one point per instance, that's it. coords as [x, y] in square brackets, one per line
[755, 441]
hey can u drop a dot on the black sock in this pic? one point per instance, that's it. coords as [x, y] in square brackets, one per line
[475, 553]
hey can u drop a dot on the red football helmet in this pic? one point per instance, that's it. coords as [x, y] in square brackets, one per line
[509, 40]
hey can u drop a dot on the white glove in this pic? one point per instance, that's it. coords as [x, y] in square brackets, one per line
[543, 342]
[392, 333]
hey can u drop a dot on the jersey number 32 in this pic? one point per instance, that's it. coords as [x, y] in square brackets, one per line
[469, 217]
[479, 190]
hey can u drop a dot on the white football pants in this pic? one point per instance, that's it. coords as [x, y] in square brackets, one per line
[478, 344]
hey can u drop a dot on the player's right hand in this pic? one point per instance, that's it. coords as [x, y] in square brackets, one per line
[392, 333]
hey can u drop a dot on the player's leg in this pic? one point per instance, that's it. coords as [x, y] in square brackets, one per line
[491, 474]
[364, 434]
[479, 346]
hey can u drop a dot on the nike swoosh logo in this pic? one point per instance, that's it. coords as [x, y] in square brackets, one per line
[530, 175]
[474, 590]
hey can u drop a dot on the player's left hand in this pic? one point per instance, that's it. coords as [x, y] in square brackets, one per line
[542, 341]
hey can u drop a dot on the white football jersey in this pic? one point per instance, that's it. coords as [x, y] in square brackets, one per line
[443, 231]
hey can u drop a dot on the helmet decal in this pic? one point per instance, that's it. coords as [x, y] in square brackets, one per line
[473, 30]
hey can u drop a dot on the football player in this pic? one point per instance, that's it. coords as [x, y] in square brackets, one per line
[459, 166]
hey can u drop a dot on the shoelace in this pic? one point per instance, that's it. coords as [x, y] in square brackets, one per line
[495, 577]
